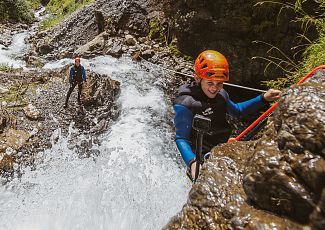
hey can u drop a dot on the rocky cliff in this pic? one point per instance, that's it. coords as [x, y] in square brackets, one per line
[231, 27]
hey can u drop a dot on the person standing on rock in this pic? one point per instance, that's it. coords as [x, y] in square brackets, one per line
[77, 77]
[206, 97]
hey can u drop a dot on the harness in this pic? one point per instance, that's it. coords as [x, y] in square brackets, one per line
[194, 99]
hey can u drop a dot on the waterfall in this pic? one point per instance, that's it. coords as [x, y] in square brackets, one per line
[136, 182]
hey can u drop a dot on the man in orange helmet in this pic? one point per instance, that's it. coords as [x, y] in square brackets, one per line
[206, 97]
[77, 77]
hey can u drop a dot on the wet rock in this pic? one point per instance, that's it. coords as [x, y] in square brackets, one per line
[32, 112]
[15, 139]
[217, 200]
[317, 218]
[6, 163]
[287, 173]
[100, 127]
[136, 56]
[271, 183]
[47, 90]
[98, 90]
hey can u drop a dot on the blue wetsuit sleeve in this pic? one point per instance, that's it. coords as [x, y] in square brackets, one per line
[83, 74]
[71, 77]
[245, 108]
[183, 125]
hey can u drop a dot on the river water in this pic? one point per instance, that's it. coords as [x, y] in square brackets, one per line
[9, 56]
[136, 182]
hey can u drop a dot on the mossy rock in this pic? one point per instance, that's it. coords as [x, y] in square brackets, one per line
[157, 31]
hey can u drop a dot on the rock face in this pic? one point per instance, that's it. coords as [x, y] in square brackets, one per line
[218, 200]
[287, 174]
[231, 27]
[99, 21]
[283, 172]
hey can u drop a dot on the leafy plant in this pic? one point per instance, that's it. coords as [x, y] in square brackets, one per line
[6, 68]
[16, 10]
[313, 54]
[60, 9]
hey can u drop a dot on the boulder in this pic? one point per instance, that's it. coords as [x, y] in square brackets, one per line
[99, 90]
[147, 54]
[15, 139]
[286, 174]
[6, 163]
[96, 44]
[32, 112]
[45, 49]
[130, 40]
[115, 49]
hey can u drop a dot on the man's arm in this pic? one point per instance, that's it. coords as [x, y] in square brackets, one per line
[183, 125]
[250, 106]
[84, 74]
[71, 76]
[245, 108]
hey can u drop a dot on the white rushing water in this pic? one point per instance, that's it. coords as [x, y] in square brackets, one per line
[9, 55]
[12, 55]
[135, 183]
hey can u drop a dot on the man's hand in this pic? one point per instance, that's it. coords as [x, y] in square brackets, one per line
[272, 94]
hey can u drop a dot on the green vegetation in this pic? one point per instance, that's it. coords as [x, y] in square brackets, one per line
[18, 10]
[59, 9]
[175, 51]
[34, 4]
[313, 54]
[6, 68]
[15, 94]
[156, 30]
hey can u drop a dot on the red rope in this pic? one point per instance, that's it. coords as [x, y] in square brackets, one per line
[267, 112]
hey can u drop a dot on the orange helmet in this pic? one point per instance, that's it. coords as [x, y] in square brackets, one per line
[212, 65]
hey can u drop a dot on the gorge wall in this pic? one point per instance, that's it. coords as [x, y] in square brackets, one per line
[231, 27]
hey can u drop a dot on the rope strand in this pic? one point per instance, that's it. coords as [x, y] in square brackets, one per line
[190, 75]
